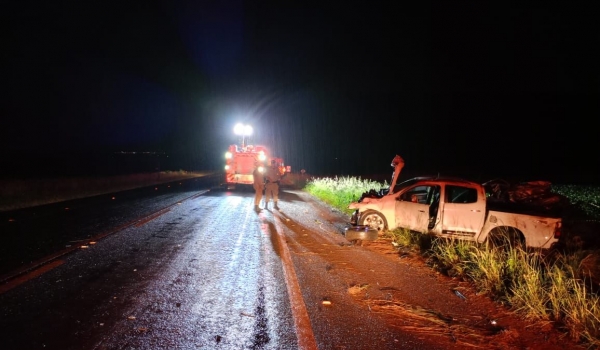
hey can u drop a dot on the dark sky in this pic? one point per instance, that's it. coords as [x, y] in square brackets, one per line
[477, 88]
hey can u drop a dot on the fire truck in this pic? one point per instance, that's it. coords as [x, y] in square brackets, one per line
[239, 164]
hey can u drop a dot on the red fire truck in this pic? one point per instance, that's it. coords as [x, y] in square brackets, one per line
[239, 163]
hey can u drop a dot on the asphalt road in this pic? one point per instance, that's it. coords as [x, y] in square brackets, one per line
[170, 268]
[189, 267]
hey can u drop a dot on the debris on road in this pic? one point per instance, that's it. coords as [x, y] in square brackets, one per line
[459, 294]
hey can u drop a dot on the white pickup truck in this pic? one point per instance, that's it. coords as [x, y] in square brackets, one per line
[451, 208]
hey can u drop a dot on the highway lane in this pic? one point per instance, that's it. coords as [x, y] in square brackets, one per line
[200, 274]
[202, 270]
[31, 235]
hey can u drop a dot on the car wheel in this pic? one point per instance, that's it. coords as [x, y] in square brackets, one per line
[373, 219]
[506, 237]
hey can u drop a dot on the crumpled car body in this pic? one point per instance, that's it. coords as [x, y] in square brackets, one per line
[377, 208]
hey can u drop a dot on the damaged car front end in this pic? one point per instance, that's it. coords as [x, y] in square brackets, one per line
[368, 208]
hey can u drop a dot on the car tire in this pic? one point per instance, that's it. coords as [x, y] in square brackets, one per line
[373, 219]
[506, 237]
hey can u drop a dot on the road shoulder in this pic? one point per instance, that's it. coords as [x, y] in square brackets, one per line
[399, 289]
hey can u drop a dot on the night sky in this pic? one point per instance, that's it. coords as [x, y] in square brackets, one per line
[479, 89]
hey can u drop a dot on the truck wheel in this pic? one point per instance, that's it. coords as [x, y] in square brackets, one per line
[506, 237]
[373, 219]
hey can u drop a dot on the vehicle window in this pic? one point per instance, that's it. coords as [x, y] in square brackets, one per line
[404, 184]
[417, 194]
[459, 194]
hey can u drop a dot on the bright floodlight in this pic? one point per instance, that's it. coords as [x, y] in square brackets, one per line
[244, 130]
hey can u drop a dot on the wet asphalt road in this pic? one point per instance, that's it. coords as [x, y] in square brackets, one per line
[188, 269]
[198, 274]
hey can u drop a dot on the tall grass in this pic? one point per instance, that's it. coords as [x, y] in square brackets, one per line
[554, 288]
[338, 192]
[533, 284]
[408, 239]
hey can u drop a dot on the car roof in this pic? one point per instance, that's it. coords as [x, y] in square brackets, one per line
[446, 179]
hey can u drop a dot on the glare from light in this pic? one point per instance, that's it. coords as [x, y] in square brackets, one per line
[261, 156]
[243, 130]
[228, 155]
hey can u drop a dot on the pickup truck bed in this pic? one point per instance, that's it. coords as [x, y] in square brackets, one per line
[524, 208]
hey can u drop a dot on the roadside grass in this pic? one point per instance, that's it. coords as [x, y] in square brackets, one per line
[410, 240]
[557, 287]
[338, 192]
[17, 194]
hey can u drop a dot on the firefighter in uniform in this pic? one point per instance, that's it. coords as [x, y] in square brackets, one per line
[259, 185]
[272, 179]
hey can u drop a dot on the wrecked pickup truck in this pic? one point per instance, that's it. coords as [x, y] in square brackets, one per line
[453, 208]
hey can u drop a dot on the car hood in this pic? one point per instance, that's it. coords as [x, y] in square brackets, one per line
[365, 202]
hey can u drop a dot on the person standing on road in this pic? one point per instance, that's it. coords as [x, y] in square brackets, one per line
[272, 180]
[259, 185]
